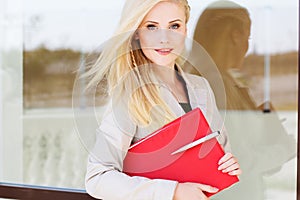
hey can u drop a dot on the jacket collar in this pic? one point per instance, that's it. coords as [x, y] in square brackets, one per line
[171, 100]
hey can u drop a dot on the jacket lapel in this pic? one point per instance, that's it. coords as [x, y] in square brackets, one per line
[169, 98]
[197, 94]
[197, 97]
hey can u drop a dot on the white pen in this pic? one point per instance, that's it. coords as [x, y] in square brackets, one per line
[197, 142]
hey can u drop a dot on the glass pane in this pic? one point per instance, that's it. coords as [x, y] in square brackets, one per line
[11, 163]
[56, 40]
[47, 125]
[255, 48]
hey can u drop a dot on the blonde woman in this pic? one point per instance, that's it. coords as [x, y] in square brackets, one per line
[147, 89]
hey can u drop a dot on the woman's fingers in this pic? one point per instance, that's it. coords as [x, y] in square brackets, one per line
[231, 167]
[192, 191]
[229, 164]
[207, 188]
[226, 157]
[235, 172]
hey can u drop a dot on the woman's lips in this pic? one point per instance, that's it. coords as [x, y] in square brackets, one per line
[163, 52]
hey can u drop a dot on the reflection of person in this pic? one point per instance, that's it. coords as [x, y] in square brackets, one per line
[259, 140]
[223, 30]
[159, 31]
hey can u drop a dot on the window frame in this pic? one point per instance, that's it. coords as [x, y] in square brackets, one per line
[31, 192]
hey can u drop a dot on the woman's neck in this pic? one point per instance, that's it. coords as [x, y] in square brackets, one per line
[166, 74]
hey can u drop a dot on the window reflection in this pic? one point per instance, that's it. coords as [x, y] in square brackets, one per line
[257, 134]
[49, 76]
[47, 148]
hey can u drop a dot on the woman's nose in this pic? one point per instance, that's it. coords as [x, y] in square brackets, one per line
[164, 36]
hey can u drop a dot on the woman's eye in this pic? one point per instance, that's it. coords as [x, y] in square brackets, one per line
[174, 26]
[151, 27]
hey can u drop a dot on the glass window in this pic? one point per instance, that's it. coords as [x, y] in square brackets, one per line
[47, 125]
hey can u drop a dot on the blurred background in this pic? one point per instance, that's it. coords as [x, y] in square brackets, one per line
[43, 45]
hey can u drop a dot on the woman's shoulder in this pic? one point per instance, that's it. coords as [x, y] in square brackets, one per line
[116, 115]
[196, 80]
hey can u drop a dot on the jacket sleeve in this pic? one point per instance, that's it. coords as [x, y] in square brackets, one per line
[104, 177]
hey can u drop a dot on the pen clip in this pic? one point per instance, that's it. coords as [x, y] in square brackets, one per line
[196, 142]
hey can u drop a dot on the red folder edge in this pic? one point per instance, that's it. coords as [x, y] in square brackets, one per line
[151, 156]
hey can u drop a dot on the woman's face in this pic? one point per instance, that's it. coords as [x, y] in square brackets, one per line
[162, 33]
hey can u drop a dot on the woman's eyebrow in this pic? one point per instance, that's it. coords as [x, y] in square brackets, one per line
[153, 22]
[175, 21]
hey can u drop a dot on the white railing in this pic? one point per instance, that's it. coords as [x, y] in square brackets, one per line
[54, 154]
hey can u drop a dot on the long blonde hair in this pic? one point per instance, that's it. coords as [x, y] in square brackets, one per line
[118, 64]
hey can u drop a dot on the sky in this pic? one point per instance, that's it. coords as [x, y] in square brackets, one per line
[85, 25]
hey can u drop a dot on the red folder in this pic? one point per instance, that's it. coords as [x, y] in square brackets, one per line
[151, 156]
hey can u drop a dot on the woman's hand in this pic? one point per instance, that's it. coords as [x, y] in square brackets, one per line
[192, 191]
[228, 164]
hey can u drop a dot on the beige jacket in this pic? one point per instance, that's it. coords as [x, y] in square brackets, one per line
[104, 177]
